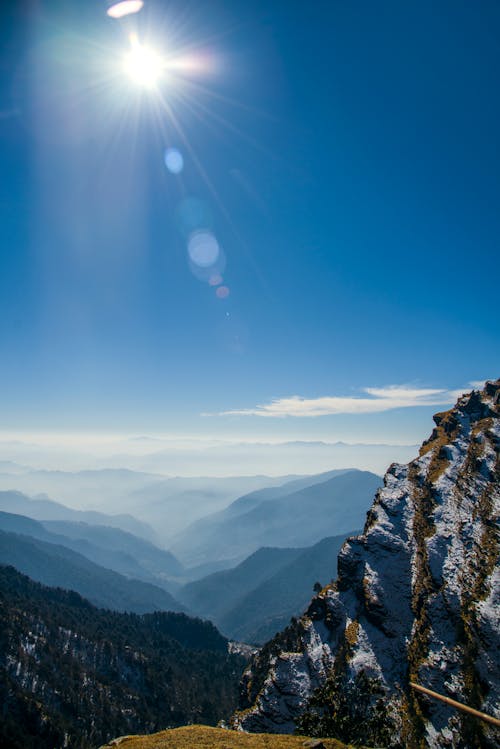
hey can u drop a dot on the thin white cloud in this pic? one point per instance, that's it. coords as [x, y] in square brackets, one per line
[372, 400]
[477, 384]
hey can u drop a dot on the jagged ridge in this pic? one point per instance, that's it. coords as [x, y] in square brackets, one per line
[417, 598]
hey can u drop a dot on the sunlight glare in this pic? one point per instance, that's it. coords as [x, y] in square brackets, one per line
[143, 65]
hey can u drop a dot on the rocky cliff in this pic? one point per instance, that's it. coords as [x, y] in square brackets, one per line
[417, 598]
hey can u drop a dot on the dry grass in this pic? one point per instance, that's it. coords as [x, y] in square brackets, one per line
[203, 737]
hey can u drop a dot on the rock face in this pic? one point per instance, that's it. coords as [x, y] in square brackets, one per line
[417, 598]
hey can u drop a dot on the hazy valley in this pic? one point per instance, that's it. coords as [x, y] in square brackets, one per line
[248, 565]
[112, 562]
[95, 547]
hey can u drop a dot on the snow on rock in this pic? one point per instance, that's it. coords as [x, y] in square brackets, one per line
[417, 598]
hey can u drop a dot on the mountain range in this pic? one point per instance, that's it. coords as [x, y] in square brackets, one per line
[56, 565]
[413, 598]
[249, 601]
[43, 508]
[107, 546]
[200, 457]
[166, 503]
[257, 598]
[286, 516]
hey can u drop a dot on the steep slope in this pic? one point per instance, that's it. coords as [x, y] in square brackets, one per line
[417, 599]
[52, 564]
[75, 676]
[213, 595]
[256, 599]
[265, 610]
[299, 518]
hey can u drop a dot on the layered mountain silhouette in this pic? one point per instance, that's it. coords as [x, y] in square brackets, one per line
[284, 516]
[257, 598]
[42, 508]
[109, 547]
[166, 503]
[57, 565]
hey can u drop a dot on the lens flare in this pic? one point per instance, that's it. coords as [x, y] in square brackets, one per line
[203, 249]
[174, 161]
[222, 292]
[124, 8]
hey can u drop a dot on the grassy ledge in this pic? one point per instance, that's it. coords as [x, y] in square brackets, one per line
[203, 737]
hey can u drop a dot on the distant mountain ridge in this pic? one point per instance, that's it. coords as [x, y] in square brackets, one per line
[46, 509]
[256, 599]
[249, 501]
[110, 547]
[153, 560]
[165, 503]
[59, 566]
[281, 517]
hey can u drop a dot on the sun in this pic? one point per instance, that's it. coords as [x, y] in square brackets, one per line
[143, 64]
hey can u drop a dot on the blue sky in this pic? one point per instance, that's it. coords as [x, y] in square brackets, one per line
[344, 156]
